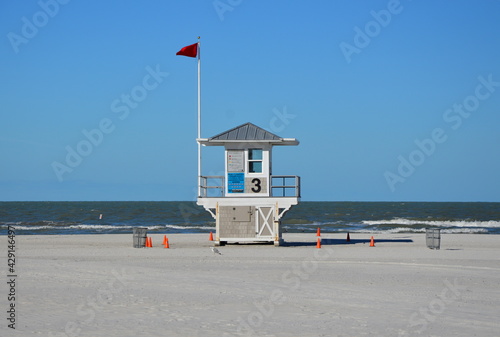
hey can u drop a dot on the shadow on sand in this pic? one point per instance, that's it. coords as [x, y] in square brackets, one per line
[333, 242]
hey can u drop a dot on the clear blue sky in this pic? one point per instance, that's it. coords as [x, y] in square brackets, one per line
[391, 101]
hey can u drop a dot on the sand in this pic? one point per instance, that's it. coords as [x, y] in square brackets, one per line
[99, 285]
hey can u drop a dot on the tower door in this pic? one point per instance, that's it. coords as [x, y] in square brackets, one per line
[264, 222]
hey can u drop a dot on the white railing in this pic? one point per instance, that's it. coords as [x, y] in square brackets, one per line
[285, 186]
[281, 186]
[212, 186]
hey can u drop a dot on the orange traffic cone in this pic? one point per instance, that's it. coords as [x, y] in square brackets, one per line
[211, 237]
[348, 237]
[372, 242]
[166, 242]
[318, 243]
[318, 232]
[147, 242]
[150, 242]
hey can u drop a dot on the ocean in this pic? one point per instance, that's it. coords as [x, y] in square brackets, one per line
[46, 218]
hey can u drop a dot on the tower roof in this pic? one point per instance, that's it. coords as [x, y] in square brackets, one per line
[247, 132]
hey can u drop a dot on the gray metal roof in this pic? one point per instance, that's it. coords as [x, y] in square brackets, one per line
[246, 131]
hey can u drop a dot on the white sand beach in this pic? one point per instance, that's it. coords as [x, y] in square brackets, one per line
[99, 285]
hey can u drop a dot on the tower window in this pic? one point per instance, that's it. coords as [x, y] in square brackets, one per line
[255, 160]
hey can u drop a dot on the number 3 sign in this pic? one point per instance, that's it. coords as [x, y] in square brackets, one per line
[257, 185]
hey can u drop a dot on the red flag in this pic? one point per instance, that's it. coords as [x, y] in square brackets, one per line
[190, 51]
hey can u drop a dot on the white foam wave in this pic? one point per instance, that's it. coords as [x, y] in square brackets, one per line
[108, 227]
[445, 231]
[9, 223]
[83, 226]
[464, 231]
[399, 230]
[187, 227]
[445, 223]
[23, 228]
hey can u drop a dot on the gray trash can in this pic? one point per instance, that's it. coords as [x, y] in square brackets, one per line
[140, 234]
[433, 238]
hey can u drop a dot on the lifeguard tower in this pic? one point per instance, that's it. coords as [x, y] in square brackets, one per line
[248, 202]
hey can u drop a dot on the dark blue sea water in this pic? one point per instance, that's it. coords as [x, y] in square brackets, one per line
[187, 217]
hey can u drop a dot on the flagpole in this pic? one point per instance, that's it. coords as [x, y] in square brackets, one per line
[199, 119]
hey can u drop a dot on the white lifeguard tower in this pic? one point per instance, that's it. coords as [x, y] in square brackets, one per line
[248, 202]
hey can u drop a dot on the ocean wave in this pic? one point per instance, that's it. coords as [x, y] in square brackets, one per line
[98, 227]
[436, 223]
[188, 227]
[410, 230]
[49, 225]
[34, 228]
[315, 224]
[465, 231]
[58, 227]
